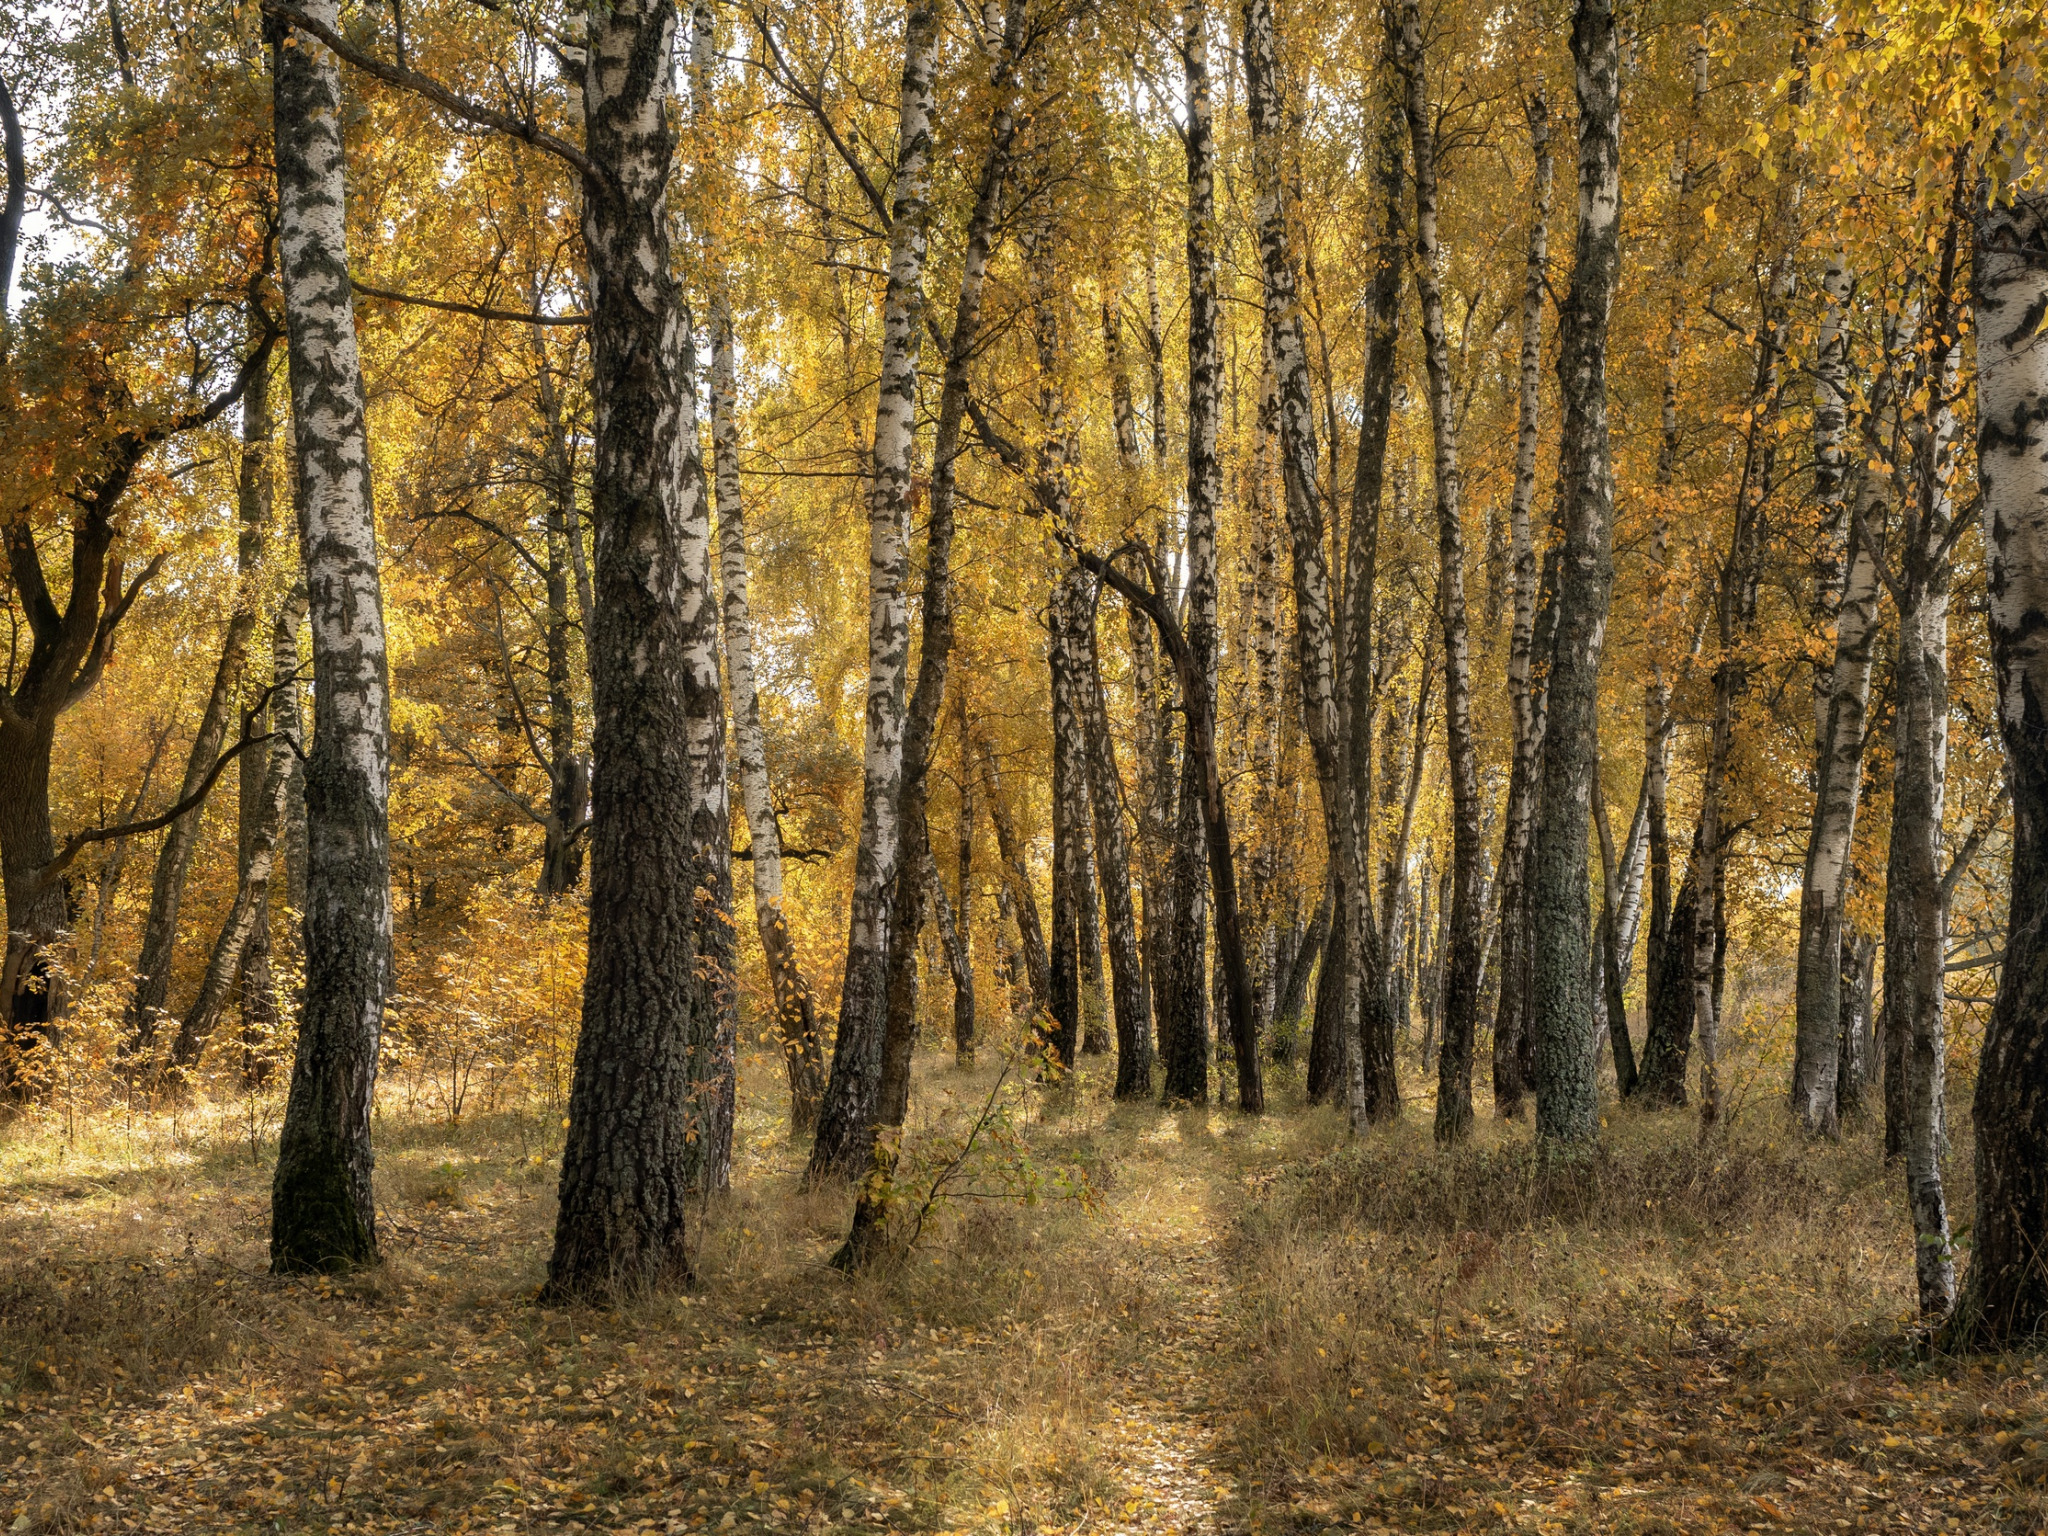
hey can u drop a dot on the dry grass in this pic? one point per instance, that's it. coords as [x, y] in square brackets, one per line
[1192, 1322]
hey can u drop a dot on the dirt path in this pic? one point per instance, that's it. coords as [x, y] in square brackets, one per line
[1163, 1428]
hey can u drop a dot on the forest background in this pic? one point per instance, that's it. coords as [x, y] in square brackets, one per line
[1419, 559]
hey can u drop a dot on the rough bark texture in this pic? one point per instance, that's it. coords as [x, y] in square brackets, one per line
[796, 1010]
[1461, 957]
[1017, 886]
[322, 1215]
[1512, 1063]
[963, 977]
[1825, 884]
[2006, 1296]
[639, 1098]
[1561, 1014]
[846, 1118]
[1182, 993]
[254, 508]
[1914, 916]
[1372, 1089]
[1113, 862]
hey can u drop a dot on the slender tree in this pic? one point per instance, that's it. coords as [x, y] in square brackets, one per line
[1512, 1059]
[1463, 916]
[846, 1118]
[796, 1010]
[322, 1213]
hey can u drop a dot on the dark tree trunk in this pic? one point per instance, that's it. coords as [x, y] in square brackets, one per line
[1668, 997]
[1113, 861]
[322, 1213]
[1328, 1049]
[1567, 1100]
[1513, 1064]
[254, 498]
[1017, 883]
[1462, 954]
[646, 1094]
[1215, 821]
[174, 857]
[963, 976]
[1293, 997]
[2005, 1299]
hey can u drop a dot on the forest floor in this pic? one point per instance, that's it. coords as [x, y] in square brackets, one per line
[1115, 1319]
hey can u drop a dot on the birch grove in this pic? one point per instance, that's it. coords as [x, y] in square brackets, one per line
[1159, 552]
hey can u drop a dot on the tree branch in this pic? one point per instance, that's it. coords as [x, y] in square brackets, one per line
[17, 195]
[527, 131]
[103, 637]
[481, 311]
[78, 842]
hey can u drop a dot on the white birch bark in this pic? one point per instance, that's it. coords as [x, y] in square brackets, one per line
[850, 1092]
[2006, 1298]
[322, 1216]
[1460, 960]
[1511, 1057]
[795, 1009]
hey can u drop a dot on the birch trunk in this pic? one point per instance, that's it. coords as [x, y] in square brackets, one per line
[1914, 918]
[1463, 915]
[917, 875]
[1735, 610]
[1373, 1090]
[322, 1213]
[644, 1095]
[1913, 949]
[1567, 1103]
[2007, 1295]
[1017, 882]
[963, 978]
[1113, 863]
[1069, 815]
[181, 840]
[255, 505]
[1668, 944]
[1361, 1009]
[847, 1113]
[249, 907]
[1824, 889]
[1182, 995]
[796, 1009]
[1512, 1063]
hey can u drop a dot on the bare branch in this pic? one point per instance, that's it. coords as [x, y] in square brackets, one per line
[525, 130]
[481, 311]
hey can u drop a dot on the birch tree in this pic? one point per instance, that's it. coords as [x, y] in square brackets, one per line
[322, 1213]
[2006, 1293]
[1463, 917]
[1567, 1107]
[847, 1113]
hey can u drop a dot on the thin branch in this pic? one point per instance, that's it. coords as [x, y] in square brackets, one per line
[455, 307]
[526, 131]
[491, 778]
[78, 842]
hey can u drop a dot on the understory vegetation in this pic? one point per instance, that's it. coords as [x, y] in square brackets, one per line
[1115, 1317]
